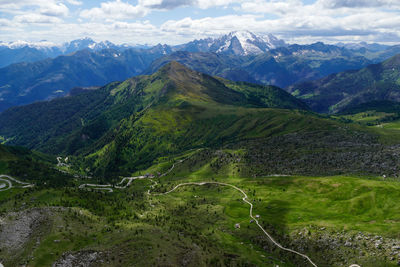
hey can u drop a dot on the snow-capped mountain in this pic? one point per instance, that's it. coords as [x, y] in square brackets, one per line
[245, 43]
[237, 42]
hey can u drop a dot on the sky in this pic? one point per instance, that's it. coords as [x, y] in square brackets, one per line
[179, 21]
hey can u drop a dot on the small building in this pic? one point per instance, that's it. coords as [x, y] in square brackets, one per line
[257, 216]
[237, 226]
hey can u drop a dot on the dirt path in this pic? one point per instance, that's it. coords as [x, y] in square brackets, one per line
[245, 199]
[108, 187]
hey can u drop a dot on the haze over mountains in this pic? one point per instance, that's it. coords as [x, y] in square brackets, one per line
[237, 56]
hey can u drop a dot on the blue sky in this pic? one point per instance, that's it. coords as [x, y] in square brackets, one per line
[178, 21]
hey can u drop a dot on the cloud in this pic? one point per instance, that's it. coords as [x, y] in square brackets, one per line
[304, 24]
[19, 4]
[114, 10]
[171, 4]
[204, 4]
[272, 7]
[5, 22]
[55, 10]
[74, 2]
[359, 3]
[167, 4]
[34, 18]
[122, 21]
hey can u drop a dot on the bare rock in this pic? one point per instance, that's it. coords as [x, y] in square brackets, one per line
[79, 259]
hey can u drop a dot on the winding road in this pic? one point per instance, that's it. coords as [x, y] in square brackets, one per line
[109, 187]
[6, 182]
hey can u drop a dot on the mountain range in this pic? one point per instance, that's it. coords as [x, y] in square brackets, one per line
[343, 90]
[25, 83]
[238, 43]
[22, 51]
[237, 56]
[281, 66]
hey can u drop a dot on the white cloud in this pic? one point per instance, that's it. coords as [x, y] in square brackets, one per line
[323, 20]
[19, 4]
[171, 4]
[204, 4]
[274, 7]
[55, 10]
[166, 4]
[359, 3]
[5, 22]
[33, 18]
[114, 10]
[74, 2]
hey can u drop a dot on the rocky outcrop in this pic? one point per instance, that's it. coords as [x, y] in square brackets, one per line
[79, 259]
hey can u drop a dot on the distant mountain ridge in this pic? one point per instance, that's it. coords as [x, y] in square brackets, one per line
[238, 43]
[343, 90]
[281, 67]
[22, 51]
[237, 56]
[24, 83]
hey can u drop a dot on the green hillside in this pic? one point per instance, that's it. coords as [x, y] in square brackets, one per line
[347, 89]
[173, 98]
[125, 127]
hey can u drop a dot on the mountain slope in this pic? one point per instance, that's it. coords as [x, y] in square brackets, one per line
[346, 89]
[31, 166]
[25, 83]
[126, 127]
[72, 123]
